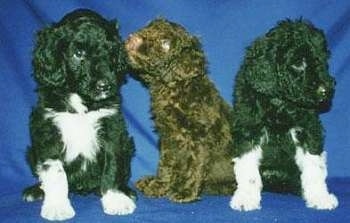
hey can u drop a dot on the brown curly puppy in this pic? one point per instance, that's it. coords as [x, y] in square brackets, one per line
[192, 120]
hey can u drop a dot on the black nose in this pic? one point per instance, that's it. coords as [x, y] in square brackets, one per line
[322, 93]
[102, 85]
[325, 90]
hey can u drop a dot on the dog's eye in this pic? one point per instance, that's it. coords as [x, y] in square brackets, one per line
[165, 43]
[79, 55]
[300, 67]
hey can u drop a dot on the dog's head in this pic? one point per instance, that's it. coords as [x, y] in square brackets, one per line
[289, 64]
[83, 53]
[165, 52]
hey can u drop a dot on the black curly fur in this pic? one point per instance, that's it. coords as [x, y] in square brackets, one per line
[75, 31]
[275, 92]
[76, 55]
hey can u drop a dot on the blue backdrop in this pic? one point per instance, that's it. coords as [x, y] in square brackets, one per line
[225, 29]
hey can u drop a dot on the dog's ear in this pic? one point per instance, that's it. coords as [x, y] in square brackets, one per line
[191, 62]
[122, 59]
[47, 61]
[259, 68]
[122, 63]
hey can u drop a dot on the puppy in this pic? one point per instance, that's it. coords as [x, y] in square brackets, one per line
[79, 141]
[280, 90]
[192, 120]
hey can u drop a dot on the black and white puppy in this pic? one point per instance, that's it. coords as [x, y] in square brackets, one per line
[79, 141]
[282, 87]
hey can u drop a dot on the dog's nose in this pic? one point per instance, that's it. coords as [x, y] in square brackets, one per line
[321, 91]
[133, 43]
[102, 85]
[324, 93]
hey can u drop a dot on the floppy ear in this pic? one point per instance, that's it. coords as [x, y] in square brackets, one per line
[260, 67]
[121, 63]
[191, 62]
[122, 60]
[47, 61]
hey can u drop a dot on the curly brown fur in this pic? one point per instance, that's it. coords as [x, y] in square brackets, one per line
[191, 118]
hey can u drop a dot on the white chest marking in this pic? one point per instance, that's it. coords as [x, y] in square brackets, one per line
[79, 130]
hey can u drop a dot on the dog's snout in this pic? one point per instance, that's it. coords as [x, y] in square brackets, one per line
[325, 92]
[322, 91]
[133, 43]
[102, 85]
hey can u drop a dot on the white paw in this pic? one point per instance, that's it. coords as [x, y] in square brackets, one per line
[57, 211]
[245, 201]
[117, 203]
[325, 201]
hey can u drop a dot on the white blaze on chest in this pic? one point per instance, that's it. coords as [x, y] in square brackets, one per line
[79, 130]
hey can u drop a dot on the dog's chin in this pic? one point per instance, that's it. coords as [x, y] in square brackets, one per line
[95, 98]
[325, 106]
[306, 103]
[102, 96]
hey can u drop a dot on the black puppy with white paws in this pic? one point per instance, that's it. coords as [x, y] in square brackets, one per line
[79, 138]
[281, 89]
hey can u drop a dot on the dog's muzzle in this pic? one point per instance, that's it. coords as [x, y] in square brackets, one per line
[325, 94]
[322, 93]
[103, 89]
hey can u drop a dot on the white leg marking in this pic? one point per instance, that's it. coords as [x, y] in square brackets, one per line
[117, 203]
[313, 180]
[56, 205]
[249, 185]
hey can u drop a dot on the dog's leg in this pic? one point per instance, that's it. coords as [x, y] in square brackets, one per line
[313, 180]
[117, 197]
[189, 173]
[56, 204]
[116, 200]
[249, 184]
[33, 193]
[158, 186]
[149, 185]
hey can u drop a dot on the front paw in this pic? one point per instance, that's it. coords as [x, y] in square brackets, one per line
[324, 201]
[245, 201]
[152, 187]
[117, 203]
[57, 211]
[33, 193]
[184, 196]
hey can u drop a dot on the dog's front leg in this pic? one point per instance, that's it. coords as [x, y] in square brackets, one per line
[56, 204]
[313, 168]
[189, 172]
[116, 196]
[158, 186]
[114, 200]
[249, 184]
[313, 180]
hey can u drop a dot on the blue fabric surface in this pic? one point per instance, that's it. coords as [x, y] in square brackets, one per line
[225, 29]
